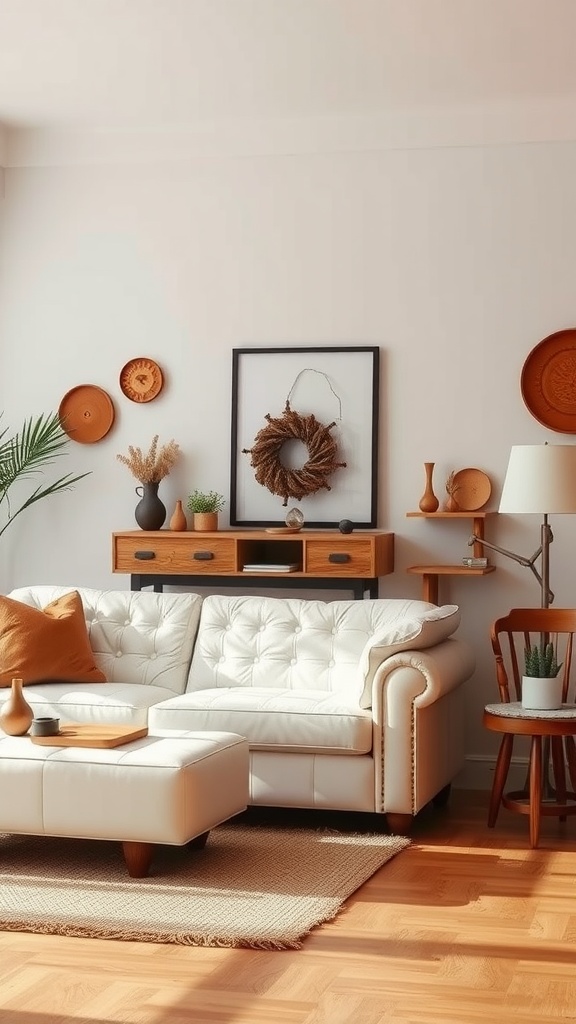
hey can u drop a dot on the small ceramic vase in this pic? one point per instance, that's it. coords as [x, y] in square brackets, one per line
[428, 502]
[178, 521]
[16, 714]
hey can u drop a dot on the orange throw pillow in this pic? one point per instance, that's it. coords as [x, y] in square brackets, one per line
[47, 645]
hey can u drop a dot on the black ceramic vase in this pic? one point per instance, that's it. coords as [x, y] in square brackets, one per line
[150, 511]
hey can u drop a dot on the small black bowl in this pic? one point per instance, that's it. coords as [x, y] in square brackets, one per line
[45, 727]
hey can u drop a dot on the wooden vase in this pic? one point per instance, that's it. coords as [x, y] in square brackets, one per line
[16, 714]
[178, 521]
[205, 522]
[428, 502]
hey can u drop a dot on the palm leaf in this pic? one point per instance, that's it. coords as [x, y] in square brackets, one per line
[40, 441]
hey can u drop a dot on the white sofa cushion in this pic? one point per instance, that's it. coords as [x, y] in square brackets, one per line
[291, 644]
[137, 637]
[290, 720]
[113, 703]
[405, 634]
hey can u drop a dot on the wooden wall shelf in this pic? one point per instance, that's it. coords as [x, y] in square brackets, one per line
[430, 573]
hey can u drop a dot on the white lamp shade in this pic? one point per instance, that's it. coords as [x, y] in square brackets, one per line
[540, 478]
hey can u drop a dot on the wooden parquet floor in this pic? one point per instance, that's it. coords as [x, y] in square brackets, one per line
[467, 925]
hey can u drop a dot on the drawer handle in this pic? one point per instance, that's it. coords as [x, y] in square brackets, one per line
[145, 556]
[339, 556]
[203, 556]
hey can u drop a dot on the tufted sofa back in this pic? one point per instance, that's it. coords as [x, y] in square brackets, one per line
[290, 643]
[136, 637]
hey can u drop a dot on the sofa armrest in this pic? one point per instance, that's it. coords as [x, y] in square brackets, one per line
[439, 670]
[417, 726]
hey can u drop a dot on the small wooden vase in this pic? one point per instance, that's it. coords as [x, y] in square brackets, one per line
[16, 714]
[178, 521]
[428, 502]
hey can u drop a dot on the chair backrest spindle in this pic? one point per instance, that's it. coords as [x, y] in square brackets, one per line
[522, 629]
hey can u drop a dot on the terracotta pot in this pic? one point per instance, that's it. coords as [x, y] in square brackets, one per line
[205, 521]
[16, 714]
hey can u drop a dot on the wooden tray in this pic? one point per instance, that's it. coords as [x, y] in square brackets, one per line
[72, 735]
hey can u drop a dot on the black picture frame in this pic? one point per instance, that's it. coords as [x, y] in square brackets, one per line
[335, 383]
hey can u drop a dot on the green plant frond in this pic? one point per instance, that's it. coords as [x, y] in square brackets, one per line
[205, 501]
[35, 446]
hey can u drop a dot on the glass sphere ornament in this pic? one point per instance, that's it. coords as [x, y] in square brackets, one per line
[294, 519]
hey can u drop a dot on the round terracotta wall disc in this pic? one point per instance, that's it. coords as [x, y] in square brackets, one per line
[86, 413]
[141, 380]
[548, 381]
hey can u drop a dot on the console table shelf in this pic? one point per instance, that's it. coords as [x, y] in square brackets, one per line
[320, 559]
[431, 573]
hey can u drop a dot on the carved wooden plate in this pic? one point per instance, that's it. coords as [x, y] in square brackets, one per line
[141, 379]
[548, 381]
[86, 413]
[472, 488]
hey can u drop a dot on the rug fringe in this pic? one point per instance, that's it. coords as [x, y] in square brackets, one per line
[173, 938]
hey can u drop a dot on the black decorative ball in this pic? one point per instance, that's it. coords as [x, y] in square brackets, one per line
[345, 526]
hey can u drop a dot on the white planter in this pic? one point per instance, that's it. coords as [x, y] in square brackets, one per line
[541, 694]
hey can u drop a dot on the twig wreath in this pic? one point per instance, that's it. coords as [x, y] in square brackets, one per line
[266, 452]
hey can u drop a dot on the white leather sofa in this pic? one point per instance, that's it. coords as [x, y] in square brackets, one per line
[350, 705]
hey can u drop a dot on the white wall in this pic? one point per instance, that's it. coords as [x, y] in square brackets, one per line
[455, 261]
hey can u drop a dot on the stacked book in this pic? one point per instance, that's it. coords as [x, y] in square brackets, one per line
[268, 567]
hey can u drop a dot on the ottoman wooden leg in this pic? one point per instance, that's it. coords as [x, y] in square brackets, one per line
[138, 857]
[199, 842]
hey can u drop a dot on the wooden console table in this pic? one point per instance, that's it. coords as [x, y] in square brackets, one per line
[324, 559]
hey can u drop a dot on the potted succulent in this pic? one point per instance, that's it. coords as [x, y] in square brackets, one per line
[541, 682]
[205, 506]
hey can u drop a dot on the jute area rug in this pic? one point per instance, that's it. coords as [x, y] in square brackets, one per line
[255, 886]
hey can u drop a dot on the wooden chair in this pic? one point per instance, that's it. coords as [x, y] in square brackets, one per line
[510, 636]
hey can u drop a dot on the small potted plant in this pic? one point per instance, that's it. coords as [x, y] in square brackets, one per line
[205, 506]
[541, 683]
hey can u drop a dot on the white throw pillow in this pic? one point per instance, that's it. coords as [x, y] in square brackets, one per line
[409, 635]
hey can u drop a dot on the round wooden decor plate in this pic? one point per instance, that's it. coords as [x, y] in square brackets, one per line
[548, 381]
[472, 489]
[141, 379]
[283, 529]
[86, 413]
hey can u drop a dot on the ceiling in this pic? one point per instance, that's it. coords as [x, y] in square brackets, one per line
[174, 63]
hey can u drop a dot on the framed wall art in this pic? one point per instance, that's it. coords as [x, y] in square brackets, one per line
[304, 434]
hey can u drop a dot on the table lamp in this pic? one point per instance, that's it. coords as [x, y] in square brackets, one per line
[540, 479]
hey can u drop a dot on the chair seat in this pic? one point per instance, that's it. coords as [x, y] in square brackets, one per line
[514, 709]
[513, 718]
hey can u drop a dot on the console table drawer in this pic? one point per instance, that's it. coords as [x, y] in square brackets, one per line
[174, 554]
[338, 557]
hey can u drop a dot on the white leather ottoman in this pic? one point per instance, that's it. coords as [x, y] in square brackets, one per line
[160, 789]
